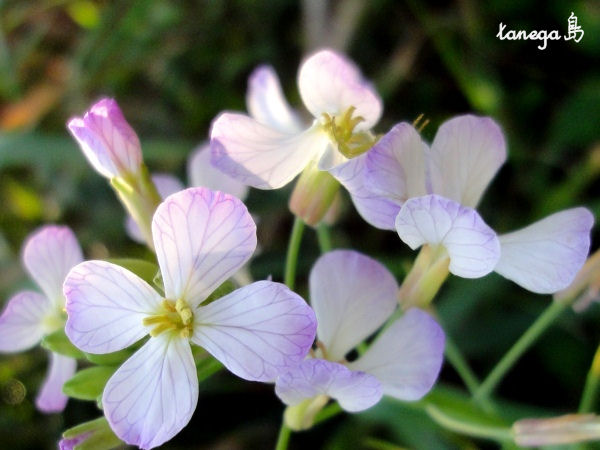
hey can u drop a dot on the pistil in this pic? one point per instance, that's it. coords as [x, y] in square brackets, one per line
[341, 130]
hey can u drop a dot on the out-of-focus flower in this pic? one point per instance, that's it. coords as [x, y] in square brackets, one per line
[353, 296]
[202, 237]
[48, 255]
[567, 429]
[585, 288]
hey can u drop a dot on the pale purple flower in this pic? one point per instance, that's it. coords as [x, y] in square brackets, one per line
[70, 443]
[428, 195]
[107, 141]
[353, 296]
[269, 149]
[202, 237]
[48, 255]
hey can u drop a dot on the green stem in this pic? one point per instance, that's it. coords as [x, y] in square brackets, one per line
[470, 429]
[291, 260]
[590, 391]
[284, 436]
[517, 350]
[457, 360]
[324, 238]
[331, 410]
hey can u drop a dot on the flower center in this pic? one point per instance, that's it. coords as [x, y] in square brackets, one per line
[176, 316]
[341, 130]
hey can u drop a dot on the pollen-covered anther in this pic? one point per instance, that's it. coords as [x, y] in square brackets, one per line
[176, 316]
[341, 131]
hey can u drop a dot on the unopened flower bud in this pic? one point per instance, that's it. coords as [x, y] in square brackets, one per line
[567, 429]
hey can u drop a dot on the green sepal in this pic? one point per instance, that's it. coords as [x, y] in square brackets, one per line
[109, 359]
[142, 268]
[58, 342]
[101, 437]
[88, 384]
[227, 287]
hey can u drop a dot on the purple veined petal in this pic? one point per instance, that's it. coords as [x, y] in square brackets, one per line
[330, 83]
[257, 331]
[202, 173]
[260, 156]
[166, 185]
[21, 322]
[48, 255]
[153, 395]
[407, 357]
[375, 209]
[106, 305]
[267, 104]
[466, 153]
[396, 165]
[472, 245]
[354, 391]
[545, 256]
[106, 139]
[352, 295]
[51, 398]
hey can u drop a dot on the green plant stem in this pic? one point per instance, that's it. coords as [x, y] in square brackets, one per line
[470, 429]
[284, 436]
[291, 260]
[331, 410]
[590, 391]
[521, 346]
[457, 360]
[324, 238]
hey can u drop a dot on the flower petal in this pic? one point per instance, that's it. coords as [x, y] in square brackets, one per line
[354, 391]
[106, 305]
[472, 245]
[48, 255]
[202, 237]
[377, 210]
[352, 295]
[202, 173]
[21, 322]
[330, 83]
[407, 357]
[258, 155]
[257, 331]
[465, 155]
[396, 165]
[545, 256]
[153, 395]
[51, 398]
[266, 103]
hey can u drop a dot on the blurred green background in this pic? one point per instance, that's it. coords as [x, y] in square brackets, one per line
[174, 65]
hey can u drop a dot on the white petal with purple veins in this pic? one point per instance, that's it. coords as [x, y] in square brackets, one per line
[153, 395]
[407, 357]
[465, 155]
[330, 83]
[21, 322]
[51, 398]
[352, 295]
[257, 331]
[202, 237]
[260, 156]
[354, 391]
[48, 256]
[545, 256]
[266, 103]
[106, 305]
[472, 245]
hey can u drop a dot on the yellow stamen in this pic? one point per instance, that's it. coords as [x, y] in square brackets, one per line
[175, 316]
[341, 130]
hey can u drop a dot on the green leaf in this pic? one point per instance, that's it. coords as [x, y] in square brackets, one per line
[88, 384]
[58, 342]
[100, 437]
[142, 268]
[224, 289]
[109, 359]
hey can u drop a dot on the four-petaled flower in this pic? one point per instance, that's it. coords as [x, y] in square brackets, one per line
[48, 255]
[353, 296]
[202, 237]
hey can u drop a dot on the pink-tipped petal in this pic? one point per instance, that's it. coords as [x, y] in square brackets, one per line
[396, 165]
[153, 395]
[352, 295]
[202, 173]
[51, 398]
[354, 391]
[202, 238]
[257, 331]
[472, 245]
[376, 209]
[260, 156]
[545, 256]
[330, 83]
[106, 139]
[106, 305]
[267, 104]
[48, 255]
[407, 357]
[465, 155]
[21, 322]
